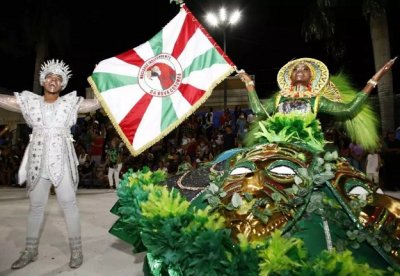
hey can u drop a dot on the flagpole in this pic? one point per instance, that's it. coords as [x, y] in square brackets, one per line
[225, 81]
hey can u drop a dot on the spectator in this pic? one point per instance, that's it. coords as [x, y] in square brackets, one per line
[373, 165]
[357, 157]
[225, 119]
[229, 138]
[97, 145]
[241, 127]
[250, 117]
[114, 162]
[86, 171]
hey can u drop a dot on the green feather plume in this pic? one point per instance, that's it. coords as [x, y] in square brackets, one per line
[294, 127]
[363, 128]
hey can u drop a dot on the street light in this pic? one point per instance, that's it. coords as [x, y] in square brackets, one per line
[223, 20]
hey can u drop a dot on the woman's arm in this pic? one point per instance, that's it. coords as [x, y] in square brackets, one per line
[343, 111]
[9, 102]
[351, 109]
[373, 82]
[254, 102]
[89, 105]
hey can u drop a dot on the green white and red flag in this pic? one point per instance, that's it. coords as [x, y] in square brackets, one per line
[149, 90]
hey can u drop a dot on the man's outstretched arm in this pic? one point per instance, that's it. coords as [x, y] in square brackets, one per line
[89, 105]
[9, 102]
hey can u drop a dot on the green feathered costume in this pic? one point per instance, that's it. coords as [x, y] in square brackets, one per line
[290, 118]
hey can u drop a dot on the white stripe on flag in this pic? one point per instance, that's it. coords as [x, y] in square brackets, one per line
[180, 104]
[196, 46]
[202, 79]
[150, 126]
[171, 31]
[145, 51]
[121, 100]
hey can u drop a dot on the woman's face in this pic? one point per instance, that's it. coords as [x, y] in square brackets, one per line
[301, 74]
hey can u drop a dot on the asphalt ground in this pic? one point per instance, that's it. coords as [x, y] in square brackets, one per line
[104, 254]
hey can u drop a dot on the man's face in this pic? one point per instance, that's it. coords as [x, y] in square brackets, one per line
[52, 83]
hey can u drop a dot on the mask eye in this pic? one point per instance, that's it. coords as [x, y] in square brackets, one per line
[243, 168]
[241, 171]
[283, 170]
[355, 187]
[359, 191]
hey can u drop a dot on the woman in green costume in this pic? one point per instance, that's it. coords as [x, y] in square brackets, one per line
[306, 89]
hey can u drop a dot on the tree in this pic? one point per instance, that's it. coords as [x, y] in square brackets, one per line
[321, 25]
[376, 13]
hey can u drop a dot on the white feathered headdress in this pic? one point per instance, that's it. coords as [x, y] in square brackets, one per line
[55, 67]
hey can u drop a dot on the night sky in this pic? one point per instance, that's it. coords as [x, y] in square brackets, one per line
[268, 35]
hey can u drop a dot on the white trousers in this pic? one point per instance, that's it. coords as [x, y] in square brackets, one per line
[113, 175]
[66, 199]
[374, 177]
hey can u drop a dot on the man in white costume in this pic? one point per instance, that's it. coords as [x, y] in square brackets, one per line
[51, 157]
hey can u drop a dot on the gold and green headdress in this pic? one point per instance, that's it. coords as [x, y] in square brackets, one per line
[319, 75]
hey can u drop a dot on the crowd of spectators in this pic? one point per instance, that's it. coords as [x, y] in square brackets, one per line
[103, 157]
[380, 166]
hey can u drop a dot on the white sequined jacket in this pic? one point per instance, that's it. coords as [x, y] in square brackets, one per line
[50, 144]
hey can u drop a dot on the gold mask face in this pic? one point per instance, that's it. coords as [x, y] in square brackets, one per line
[259, 176]
[381, 212]
[264, 174]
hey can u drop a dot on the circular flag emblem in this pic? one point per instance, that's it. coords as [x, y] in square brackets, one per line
[160, 76]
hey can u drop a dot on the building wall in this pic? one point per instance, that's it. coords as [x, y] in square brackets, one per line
[236, 95]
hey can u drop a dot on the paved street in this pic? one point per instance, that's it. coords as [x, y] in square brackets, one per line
[104, 254]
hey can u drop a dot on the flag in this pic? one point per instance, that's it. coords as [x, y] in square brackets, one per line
[149, 90]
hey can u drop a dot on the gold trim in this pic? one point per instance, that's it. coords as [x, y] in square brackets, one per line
[331, 92]
[390, 203]
[180, 185]
[319, 75]
[316, 104]
[277, 100]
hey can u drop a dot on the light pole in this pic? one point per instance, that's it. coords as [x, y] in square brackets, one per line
[223, 20]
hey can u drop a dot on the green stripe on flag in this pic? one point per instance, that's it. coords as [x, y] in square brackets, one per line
[107, 81]
[205, 60]
[156, 43]
[168, 114]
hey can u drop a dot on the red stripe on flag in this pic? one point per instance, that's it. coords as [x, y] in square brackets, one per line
[187, 31]
[131, 57]
[191, 93]
[130, 123]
